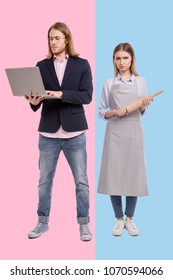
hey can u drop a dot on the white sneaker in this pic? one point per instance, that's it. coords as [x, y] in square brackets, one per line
[118, 229]
[131, 227]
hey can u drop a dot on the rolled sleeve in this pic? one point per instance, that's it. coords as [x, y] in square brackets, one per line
[142, 89]
[104, 105]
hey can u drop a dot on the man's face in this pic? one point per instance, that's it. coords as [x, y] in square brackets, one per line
[57, 42]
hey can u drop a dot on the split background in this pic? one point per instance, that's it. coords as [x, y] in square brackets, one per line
[24, 26]
[147, 26]
[97, 27]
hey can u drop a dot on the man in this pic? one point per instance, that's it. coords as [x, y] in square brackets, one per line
[68, 83]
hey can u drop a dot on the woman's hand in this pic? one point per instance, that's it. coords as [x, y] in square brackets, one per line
[34, 99]
[145, 103]
[121, 112]
[116, 112]
[57, 94]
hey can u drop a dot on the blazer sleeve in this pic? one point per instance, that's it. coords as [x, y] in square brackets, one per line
[84, 94]
[35, 107]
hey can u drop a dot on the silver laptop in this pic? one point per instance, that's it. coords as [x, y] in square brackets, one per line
[25, 79]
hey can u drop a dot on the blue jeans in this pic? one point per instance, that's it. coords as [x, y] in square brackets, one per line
[74, 150]
[117, 206]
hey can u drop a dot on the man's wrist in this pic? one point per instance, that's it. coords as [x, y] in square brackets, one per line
[61, 95]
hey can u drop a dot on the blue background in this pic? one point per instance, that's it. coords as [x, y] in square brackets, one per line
[147, 26]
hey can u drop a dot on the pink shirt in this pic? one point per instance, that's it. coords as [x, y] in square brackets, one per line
[60, 66]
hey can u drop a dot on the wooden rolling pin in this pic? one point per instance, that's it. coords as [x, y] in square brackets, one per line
[137, 104]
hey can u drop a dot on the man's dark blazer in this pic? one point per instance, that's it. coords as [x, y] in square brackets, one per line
[77, 90]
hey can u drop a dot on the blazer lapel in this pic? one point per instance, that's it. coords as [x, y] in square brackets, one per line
[50, 66]
[69, 68]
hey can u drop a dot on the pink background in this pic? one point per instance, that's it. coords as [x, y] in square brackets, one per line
[23, 30]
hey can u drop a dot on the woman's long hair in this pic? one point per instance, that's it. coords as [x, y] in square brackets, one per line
[127, 48]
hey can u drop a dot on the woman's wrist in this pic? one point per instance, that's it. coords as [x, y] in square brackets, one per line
[110, 113]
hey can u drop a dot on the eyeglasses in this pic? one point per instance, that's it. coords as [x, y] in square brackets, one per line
[57, 38]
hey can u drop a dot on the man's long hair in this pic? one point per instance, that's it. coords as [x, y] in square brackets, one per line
[62, 27]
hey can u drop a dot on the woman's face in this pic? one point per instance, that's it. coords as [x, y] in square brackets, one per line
[123, 61]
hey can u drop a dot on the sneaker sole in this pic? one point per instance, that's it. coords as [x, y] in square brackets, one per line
[86, 238]
[131, 234]
[36, 235]
[117, 235]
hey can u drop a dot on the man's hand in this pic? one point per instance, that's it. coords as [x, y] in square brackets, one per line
[34, 99]
[57, 94]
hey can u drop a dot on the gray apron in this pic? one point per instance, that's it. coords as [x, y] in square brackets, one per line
[123, 165]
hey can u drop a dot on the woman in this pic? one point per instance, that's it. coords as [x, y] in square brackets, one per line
[123, 168]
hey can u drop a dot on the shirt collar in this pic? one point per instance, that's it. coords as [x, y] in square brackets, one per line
[132, 78]
[57, 58]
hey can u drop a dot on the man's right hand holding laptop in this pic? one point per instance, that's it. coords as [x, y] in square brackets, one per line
[34, 98]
